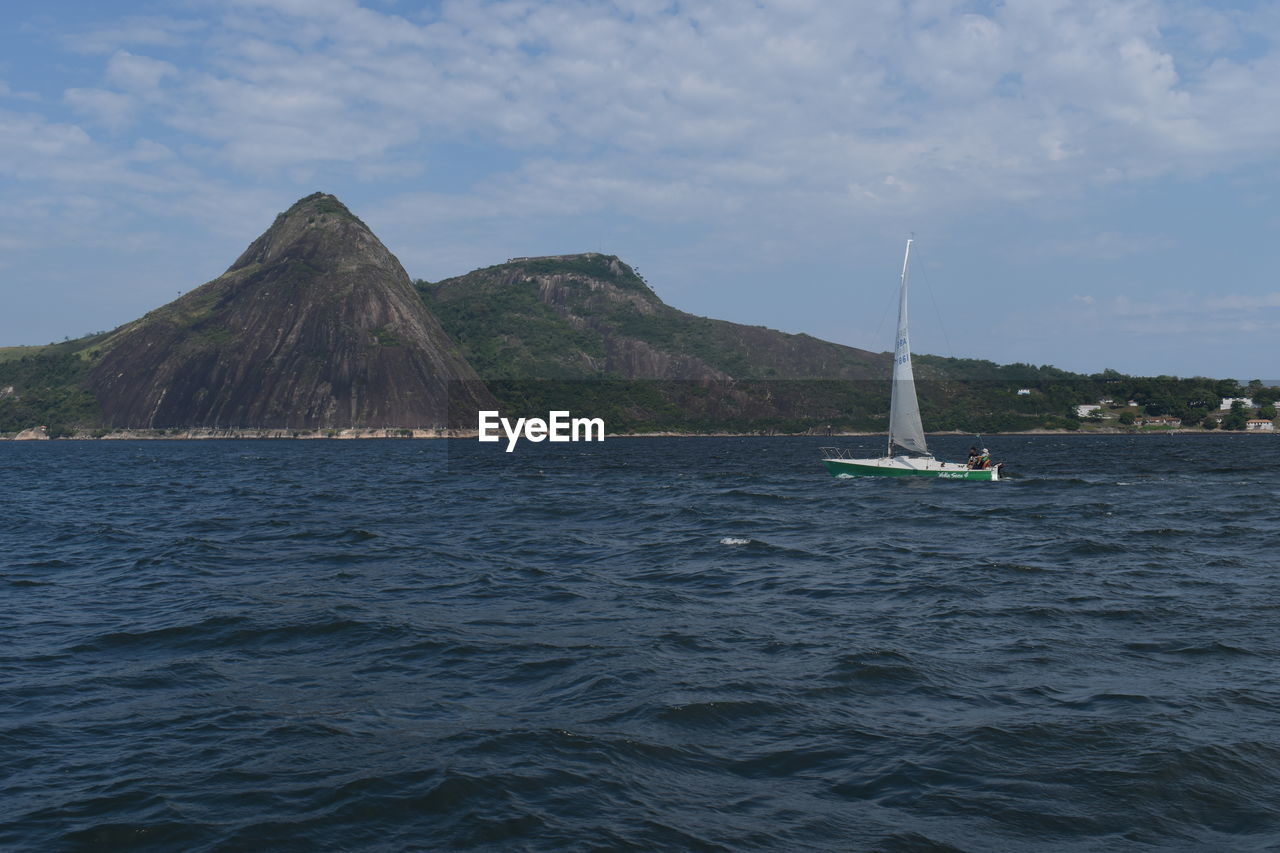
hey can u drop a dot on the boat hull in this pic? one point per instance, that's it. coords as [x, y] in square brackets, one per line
[902, 466]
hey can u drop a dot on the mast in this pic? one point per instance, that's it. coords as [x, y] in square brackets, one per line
[905, 429]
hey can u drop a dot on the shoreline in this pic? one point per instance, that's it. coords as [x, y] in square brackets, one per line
[385, 434]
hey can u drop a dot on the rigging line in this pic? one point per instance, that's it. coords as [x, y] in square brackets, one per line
[885, 313]
[951, 352]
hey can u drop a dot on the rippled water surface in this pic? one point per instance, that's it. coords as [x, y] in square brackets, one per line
[704, 644]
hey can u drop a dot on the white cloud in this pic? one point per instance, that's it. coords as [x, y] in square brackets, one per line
[157, 31]
[1245, 302]
[1172, 312]
[920, 103]
[6, 91]
[112, 110]
[140, 75]
[32, 147]
[1146, 309]
[1106, 246]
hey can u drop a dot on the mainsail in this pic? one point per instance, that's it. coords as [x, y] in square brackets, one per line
[905, 429]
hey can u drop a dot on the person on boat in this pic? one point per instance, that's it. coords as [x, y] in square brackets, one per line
[973, 455]
[984, 461]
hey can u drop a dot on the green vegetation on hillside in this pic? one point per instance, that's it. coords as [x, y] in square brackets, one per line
[590, 316]
[323, 204]
[593, 265]
[988, 392]
[15, 353]
[46, 389]
[516, 337]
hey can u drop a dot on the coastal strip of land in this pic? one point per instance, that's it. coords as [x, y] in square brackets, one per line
[248, 434]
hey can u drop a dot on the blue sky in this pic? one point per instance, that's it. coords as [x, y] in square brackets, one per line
[1092, 184]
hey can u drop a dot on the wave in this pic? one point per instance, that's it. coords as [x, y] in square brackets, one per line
[328, 647]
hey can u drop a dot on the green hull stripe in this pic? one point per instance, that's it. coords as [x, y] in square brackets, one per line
[837, 467]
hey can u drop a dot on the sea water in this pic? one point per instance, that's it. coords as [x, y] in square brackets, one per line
[701, 644]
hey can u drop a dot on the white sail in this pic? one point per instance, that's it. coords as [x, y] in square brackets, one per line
[905, 429]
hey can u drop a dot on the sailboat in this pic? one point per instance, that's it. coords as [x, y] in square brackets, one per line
[905, 429]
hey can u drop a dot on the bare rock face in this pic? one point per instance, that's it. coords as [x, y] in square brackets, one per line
[315, 326]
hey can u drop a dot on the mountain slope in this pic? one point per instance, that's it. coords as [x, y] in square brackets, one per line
[316, 325]
[590, 316]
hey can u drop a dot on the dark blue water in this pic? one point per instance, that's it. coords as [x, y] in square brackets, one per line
[703, 644]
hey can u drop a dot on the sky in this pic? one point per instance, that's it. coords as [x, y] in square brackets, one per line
[1091, 184]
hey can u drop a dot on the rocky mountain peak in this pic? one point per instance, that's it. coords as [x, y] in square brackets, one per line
[315, 325]
[318, 227]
